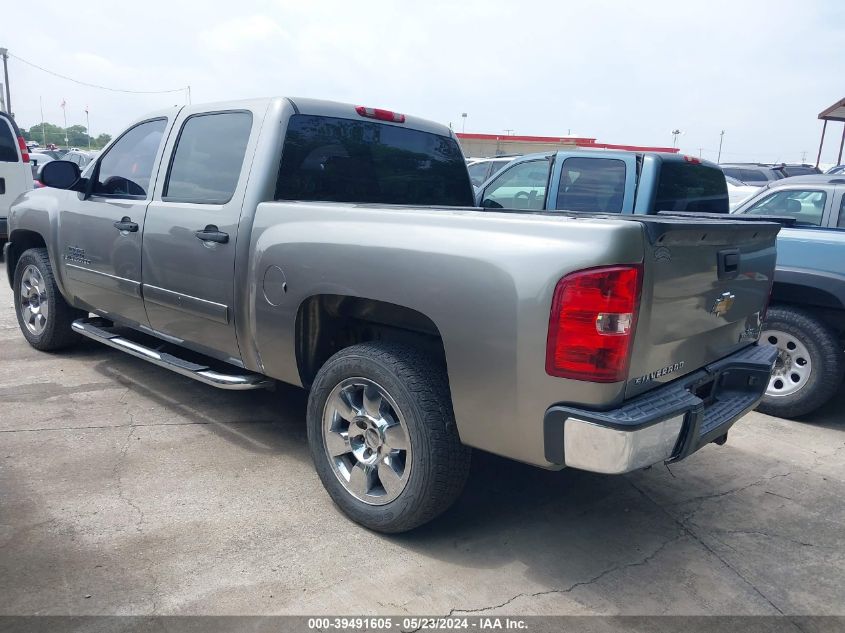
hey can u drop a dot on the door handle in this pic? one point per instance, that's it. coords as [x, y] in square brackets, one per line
[126, 224]
[212, 234]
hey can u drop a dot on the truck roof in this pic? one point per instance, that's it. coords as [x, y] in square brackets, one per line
[317, 107]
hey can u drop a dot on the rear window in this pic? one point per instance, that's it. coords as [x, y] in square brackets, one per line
[691, 187]
[344, 160]
[8, 143]
[756, 176]
[592, 184]
[799, 170]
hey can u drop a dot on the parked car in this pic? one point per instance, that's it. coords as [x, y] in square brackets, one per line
[806, 321]
[38, 160]
[15, 172]
[607, 182]
[81, 158]
[758, 174]
[838, 169]
[312, 243]
[739, 191]
[483, 168]
[797, 169]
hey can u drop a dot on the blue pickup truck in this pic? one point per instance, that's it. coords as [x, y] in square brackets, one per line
[599, 181]
[806, 319]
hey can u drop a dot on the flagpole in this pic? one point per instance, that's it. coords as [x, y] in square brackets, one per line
[64, 110]
[43, 131]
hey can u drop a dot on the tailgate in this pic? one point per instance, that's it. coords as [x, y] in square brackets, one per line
[705, 285]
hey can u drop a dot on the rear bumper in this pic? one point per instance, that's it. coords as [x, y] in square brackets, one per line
[665, 424]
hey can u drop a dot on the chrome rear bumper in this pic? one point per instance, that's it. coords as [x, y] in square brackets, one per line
[665, 424]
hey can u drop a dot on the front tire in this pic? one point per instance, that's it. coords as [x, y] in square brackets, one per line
[43, 314]
[382, 436]
[810, 362]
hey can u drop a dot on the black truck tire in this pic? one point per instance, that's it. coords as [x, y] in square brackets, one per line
[383, 438]
[810, 362]
[43, 314]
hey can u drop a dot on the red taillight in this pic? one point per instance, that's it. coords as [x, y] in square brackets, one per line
[594, 313]
[692, 159]
[24, 149]
[381, 115]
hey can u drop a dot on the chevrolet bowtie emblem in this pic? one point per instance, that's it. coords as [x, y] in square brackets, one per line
[723, 304]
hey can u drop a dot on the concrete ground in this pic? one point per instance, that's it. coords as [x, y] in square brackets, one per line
[126, 489]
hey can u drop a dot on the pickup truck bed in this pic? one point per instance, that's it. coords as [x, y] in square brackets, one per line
[594, 341]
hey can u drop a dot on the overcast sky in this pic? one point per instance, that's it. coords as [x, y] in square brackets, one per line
[619, 71]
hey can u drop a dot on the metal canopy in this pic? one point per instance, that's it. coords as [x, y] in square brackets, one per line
[836, 112]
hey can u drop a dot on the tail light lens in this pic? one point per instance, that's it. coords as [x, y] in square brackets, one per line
[24, 149]
[592, 322]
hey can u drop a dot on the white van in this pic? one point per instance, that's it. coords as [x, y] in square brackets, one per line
[15, 171]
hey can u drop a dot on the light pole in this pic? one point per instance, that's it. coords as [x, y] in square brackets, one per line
[675, 133]
[721, 138]
[88, 127]
[4, 53]
[463, 122]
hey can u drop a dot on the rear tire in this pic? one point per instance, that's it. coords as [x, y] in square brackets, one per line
[383, 437]
[43, 314]
[810, 362]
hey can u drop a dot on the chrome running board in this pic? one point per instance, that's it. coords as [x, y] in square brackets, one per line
[96, 330]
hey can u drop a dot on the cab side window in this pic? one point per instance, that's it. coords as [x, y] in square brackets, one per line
[125, 171]
[523, 186]
[594, 185]
[209, 155]
[806, 206]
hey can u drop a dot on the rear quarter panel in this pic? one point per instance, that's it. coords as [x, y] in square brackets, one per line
[485, 279]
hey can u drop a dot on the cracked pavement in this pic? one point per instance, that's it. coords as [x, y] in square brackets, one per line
[126, 489]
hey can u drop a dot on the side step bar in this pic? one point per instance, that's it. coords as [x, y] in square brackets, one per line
[95, 329]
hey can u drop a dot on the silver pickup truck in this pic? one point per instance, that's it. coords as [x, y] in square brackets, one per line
[335, 247]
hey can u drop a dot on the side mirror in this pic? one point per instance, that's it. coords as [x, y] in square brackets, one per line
[60, 174]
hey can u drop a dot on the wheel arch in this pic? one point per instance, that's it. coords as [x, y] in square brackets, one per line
[327, 323]
[21, 240]
[809, 288]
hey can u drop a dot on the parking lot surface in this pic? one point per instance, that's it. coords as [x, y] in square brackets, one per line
[126, 489]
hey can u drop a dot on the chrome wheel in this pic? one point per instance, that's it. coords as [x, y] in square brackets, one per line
[367, 441]
[34, 307]
[793, 365]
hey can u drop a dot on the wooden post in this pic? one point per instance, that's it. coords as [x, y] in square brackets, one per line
[821, 142]
[841, 143]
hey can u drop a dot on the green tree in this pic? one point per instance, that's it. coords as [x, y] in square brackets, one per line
[101, 141]
[77, 136]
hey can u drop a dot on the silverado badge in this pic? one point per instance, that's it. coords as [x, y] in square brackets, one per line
[723, 304]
